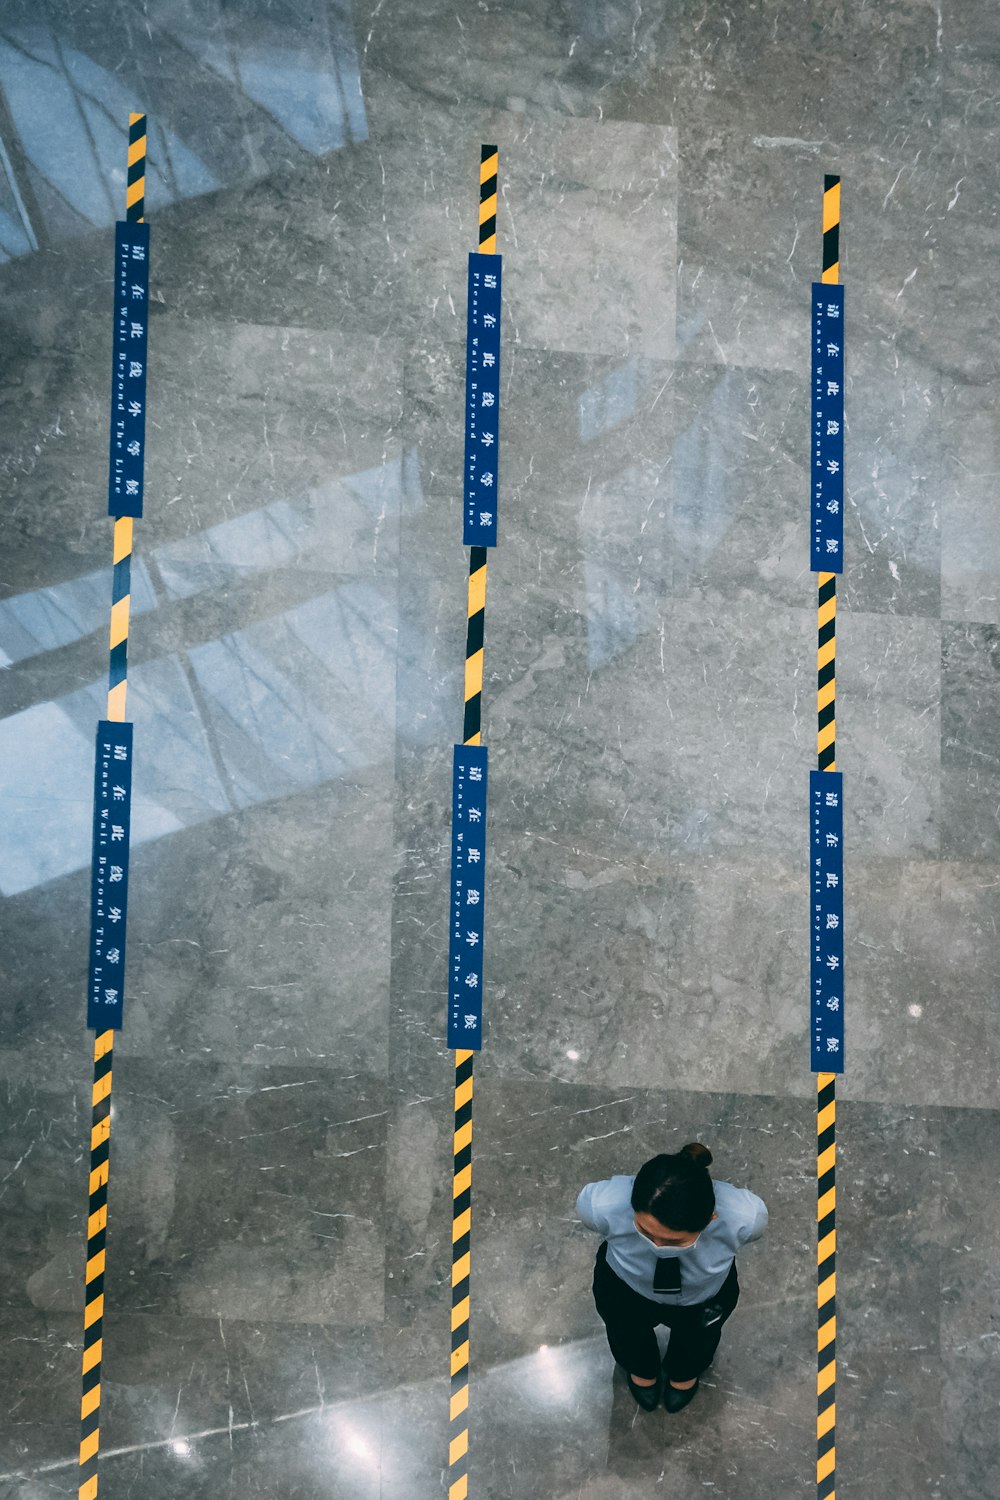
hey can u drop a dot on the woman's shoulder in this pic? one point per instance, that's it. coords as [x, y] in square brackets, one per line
[737, 1204]
[612, 1194]
[614, 1188]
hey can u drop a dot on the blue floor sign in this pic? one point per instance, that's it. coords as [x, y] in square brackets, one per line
[468, 894]
[109, 876]
[482, 402]
[826, 457]
[826, 871]
[128, 369]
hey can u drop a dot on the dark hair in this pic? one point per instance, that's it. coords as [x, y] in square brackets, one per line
[676, 1190]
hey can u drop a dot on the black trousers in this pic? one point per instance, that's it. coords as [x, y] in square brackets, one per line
[630, 1321]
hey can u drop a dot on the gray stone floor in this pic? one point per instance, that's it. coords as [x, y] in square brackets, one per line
[277, 1293]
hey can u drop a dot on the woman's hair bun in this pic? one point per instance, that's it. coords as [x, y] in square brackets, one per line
[697, 1153]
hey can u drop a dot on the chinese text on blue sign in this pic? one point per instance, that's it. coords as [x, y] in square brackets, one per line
[109, 876]
[468, 893]
[826, 873]
[128, 369]
[827, 432]
[482, 402]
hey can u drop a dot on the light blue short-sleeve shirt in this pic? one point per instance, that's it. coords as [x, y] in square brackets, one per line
[606, 1208]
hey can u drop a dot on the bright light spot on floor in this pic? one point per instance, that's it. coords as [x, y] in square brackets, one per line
[181, 1448]
[559, 1383]
[573, 1056]
[349, 1438]
[916, 1010]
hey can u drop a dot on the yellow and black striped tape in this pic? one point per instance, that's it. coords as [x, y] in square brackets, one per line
[121, 598]
[826, 1083]
[100, 1124]
[135, 191]
[826, 672]
[97, 1220]
[826, 1278]
[488, 171]
[461, 1224]
[831, 230]
[474, 641]
[461, 1239]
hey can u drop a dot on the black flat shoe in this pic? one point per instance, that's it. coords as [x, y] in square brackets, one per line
[648, 1396]
[675, 1400]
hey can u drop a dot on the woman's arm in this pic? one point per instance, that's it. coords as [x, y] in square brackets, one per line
[759, 1224]
[587, 1211]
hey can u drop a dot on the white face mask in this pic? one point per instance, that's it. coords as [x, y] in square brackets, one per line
[666, 1249]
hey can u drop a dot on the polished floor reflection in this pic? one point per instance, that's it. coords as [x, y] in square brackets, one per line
[268, 80]
[278, 1285]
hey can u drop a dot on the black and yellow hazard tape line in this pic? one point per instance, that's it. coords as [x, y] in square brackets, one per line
[135, 191]
[121, 599]
[461, 1224]
[461, 1241]
[474, 641]
[97, 1220]
[100, 1125]
[488, 174]
[826, 1083]
[826, 1276]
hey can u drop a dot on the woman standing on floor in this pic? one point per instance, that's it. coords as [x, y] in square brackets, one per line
[668, 1255]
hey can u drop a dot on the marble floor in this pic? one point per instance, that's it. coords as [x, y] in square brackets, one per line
[278, 1284]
